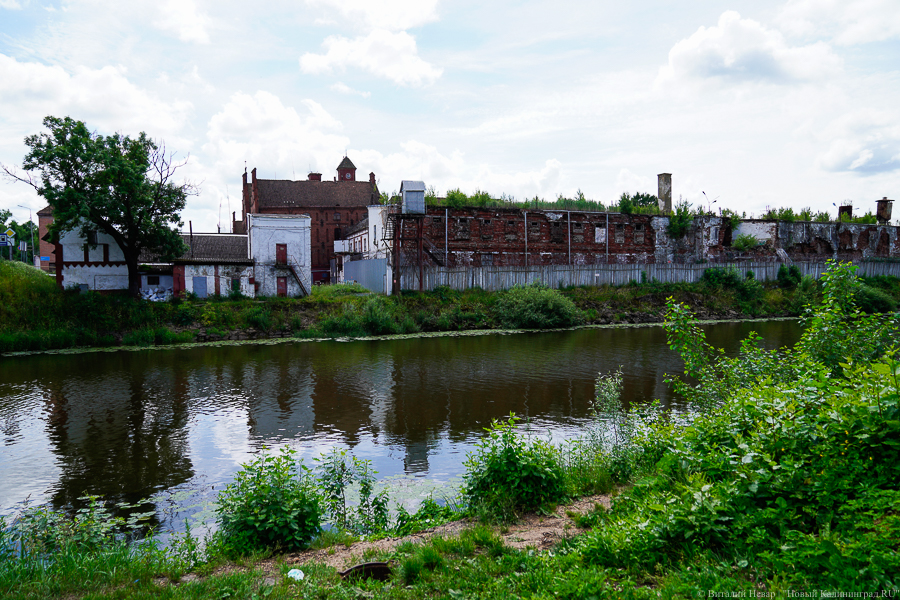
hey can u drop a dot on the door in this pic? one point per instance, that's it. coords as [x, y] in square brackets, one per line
[282, 286]
[280, 254]
[200, 287]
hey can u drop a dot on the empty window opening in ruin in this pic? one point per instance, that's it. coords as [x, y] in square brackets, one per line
[639, 233]
[510, 223]
[485, 222]
[235, 284]
[437, 220]
[578, 226]
[620, 233]
[152, 279]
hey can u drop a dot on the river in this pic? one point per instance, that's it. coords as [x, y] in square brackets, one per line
[178, 423]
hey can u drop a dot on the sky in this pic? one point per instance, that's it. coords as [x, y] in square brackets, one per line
[760, 103]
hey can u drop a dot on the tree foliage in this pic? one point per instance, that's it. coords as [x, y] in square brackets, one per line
[113, 184]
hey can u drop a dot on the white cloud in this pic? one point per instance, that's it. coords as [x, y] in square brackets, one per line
[392, 15]
[865, 142]
[281, 141]
[418, 160]
[104, 98]
[184, 19]
[631, 182]
[848, 22]
[744, 50]
[343, 88]
[383, 53]
[10, 5]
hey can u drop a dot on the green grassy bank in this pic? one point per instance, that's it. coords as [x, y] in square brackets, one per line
[783, 483]
[35, 315]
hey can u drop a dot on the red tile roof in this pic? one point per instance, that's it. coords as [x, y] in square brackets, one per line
[281, 193]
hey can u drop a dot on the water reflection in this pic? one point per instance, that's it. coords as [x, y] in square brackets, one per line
[124, 425]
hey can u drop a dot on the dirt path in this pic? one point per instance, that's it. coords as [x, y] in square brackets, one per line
[536, 531]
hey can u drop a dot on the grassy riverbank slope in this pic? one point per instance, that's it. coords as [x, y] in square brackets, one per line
[35, 315]
[784, 482]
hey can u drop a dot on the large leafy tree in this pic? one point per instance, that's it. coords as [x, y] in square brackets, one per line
[115, 184]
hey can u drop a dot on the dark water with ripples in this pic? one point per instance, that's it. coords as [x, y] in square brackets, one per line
[126, 425]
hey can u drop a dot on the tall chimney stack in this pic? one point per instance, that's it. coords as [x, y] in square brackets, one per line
[664, 194]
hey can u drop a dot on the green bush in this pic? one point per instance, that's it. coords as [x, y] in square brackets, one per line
[722, 277]
[272, 503]
[744, 242]
[139, 337]
[536, 306]
[789, 277]
[507, 472]
[874, 300]
[259, 317]
[680, 220]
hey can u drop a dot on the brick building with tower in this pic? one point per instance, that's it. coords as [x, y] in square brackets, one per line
[332, 206]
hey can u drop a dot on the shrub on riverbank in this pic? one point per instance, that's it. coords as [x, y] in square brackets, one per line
[271, 504]
[536, 306]
[507, 473]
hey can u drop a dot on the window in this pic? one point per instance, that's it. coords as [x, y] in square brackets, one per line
[485, 222]
[437, 220]
[510, 223]
[152, 279]
[639, 233]
[337, 216]
[620, 233]
[92, 238]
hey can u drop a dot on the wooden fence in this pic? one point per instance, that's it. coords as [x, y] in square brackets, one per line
[555, 276]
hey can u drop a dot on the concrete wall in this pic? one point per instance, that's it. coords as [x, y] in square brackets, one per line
[266, 231]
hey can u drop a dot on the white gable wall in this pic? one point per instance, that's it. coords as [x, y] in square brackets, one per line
[266, 232]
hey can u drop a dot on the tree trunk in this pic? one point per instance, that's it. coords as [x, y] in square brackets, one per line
[134, 277]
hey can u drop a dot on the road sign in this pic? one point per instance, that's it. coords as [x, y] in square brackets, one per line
[10, 233]
[6, 240]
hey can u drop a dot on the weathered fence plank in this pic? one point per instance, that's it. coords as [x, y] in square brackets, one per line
[555, 276]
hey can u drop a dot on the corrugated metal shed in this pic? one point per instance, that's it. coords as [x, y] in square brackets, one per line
[412, 194]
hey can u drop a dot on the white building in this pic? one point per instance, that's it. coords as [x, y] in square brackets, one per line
[280, 250]
[272, 260]
[101, 267]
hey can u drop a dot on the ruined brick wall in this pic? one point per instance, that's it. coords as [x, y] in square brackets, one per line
[516, 237]
[500, 236]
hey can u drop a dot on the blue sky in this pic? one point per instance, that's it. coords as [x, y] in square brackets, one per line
[762, 103]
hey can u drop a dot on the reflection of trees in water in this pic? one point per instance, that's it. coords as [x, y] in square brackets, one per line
[118, 423]
[120, 435]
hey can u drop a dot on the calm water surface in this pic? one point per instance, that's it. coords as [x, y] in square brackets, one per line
[127, 425]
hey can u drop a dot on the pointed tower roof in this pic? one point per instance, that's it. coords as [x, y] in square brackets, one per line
[346, 164]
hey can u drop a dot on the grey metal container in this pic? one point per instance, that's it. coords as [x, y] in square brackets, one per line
[412, 194]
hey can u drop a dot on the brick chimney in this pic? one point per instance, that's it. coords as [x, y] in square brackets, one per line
[372, 178]
[315, 177]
